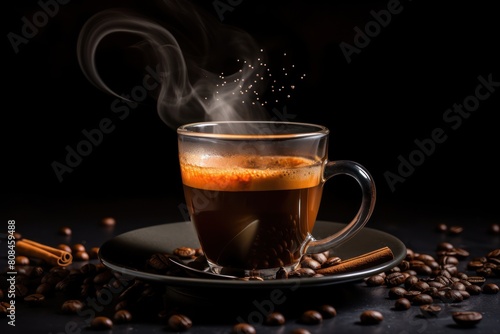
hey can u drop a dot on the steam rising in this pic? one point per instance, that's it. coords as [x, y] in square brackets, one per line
[189, 90]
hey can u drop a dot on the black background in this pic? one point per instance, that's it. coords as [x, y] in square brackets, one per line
[393, 92]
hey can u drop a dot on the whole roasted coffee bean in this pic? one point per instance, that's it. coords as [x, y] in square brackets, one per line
[320, 257]
[422, 299]
[397, 292]
[490, 288]
[394, 279]
[446, 246]
[64, 230]
[410, 280]
[22, 260]
[108, 222]
[474, 265]
[311, 317]
[179, 322]
[419, 286]
[34, 299]
[275, 319]
[375, 280]
[402, 304]
[327, 311]
[473, 289]
[185, 252]
[301, 272]
[452, 296]
[371, 317]
[467, 319]
[309, 262]
[430, 310]
[300, 331]
[454, 230]
[331, 261]
[72, 306]
[465, 294]
[122, 316]
[81, 256]
[476, 280]
[101, 323]
[441, 227]
[411, 294]
[243, 328]
[494, 229]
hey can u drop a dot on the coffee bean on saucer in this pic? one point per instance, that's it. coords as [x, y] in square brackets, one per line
[185, 252]
[275, 319]
[467, 318]
[243, 328]
[371, 317]
[101, 323]
[179, 322]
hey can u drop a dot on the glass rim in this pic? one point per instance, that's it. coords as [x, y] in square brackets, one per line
[308, 130]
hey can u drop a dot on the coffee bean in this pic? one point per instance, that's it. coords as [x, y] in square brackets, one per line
[81, 256]
[375, 280]
[467, 319]
[311, 317]
[331, 261]
[108, 222]
[394, 279]
[452, 296]
[65, 248]
[473, 289]
[441, 227]
[64, 230]
[422, 299]
[72, 306]
[101, 323]
[94, 253]
[397, 292]
[309, 262]
[243, 328]
[430, 310]
[281, 273]
[185, 252]
[402, 304]
[300, 331]
[122, 316]
[34, 299]
[22, 260]
[179, 322]
[327, 311]
[494, 229]
[454, 230]
[275, 319]
[371, 317]
[476, 280]
[301, 272]
[490, 288]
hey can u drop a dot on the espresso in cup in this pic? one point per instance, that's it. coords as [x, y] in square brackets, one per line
[253, 191]
[252, 212]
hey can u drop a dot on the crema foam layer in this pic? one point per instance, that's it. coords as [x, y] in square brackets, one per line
[248, 172]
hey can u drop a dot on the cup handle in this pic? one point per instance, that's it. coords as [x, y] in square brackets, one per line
[365, 181]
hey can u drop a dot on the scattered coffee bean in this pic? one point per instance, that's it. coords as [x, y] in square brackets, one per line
[402, 304]
[122, 316]
[441, 227]
[311, 317]
[476, 280]
[327, 311]
[101, 323]
[108, 222]
[490, 288]
[65, 230]
[473, 289]
[371, 317]
[494, 229]
[34, 299]
[300, 331]
[430, 310]
[81, 256]
[422, 299]
[467, 319]
[185, 252]
[22, 260]
[275, 319]
[454, 230]
[65, 248]
[93, 253]
[397, 292]
[375, 280]
[72, 306]
[78, 248]
[179, 322]
[243, 328]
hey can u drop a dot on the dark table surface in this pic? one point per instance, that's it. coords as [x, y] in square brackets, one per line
[415, 226]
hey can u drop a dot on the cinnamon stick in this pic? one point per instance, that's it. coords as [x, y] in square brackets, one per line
[52, 256]
[362, 261]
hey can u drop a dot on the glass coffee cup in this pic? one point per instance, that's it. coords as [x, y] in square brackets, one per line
[253, 190]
